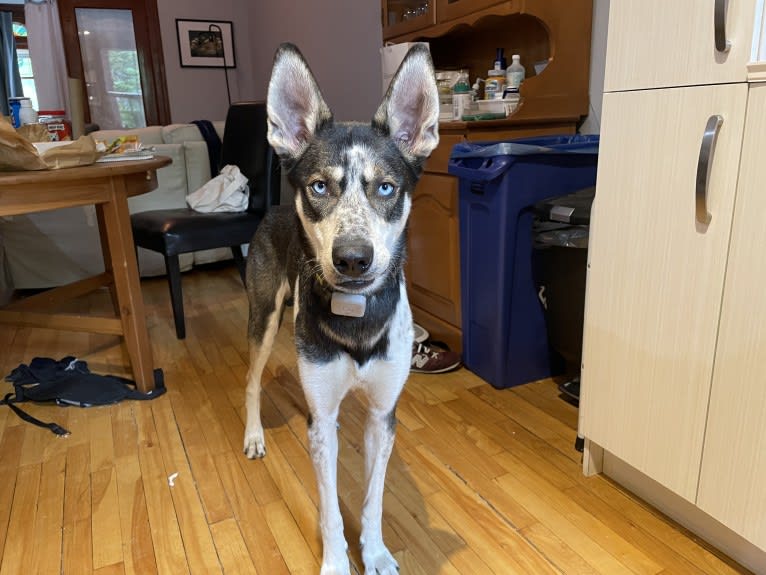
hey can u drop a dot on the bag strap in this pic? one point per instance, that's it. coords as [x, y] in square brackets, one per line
[159, 389]
[54, 427]
[159, 386]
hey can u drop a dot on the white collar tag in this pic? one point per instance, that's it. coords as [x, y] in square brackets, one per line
[349, 304]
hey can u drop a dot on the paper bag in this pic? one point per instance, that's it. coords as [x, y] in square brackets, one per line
[391, 56]
[17, 153]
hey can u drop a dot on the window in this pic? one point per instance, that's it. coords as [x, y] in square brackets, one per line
[22, 51]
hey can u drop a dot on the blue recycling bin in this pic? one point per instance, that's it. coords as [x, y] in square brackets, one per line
[505, 340]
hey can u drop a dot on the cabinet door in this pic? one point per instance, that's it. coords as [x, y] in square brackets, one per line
[655, 277]
[433, 259]
[405, 16]
[657, 43]
[451, 9]
[734, 460]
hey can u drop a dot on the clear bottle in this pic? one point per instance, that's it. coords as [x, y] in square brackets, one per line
[515, 73]
[461, 97]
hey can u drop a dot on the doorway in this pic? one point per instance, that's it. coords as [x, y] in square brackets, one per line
[113, 47]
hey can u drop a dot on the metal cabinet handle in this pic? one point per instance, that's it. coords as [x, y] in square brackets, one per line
[704, 163]
[719, 19]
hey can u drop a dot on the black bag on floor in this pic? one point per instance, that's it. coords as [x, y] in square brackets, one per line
[69, 382]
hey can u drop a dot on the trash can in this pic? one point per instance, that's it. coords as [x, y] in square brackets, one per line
[560, 256]
[505, 339]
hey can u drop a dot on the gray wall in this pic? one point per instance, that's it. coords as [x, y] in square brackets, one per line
[592, 124]
[340, 39]
[200, 93]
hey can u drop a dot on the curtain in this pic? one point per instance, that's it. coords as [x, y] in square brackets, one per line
[10, 83]
[46, 48]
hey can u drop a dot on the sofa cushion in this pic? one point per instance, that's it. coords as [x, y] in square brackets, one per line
[180, 133]
[171, 182]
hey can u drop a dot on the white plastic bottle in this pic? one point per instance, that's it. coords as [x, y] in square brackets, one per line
[27, 114]
[515, 73]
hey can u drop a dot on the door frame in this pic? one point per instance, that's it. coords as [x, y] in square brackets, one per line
[146, 26]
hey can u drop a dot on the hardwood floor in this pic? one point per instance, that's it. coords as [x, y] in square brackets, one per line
[481, 481]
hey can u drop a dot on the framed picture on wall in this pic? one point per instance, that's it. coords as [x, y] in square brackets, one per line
[206, 43]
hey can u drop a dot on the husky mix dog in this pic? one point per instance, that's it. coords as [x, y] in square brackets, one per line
[338, 252]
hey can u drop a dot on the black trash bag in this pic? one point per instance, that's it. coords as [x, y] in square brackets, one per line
[68, 381]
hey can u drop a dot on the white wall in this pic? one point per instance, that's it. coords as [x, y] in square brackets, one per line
[592, 124]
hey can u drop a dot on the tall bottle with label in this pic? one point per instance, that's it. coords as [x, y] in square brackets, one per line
[515, 73]
[495, 84]
[461, 97]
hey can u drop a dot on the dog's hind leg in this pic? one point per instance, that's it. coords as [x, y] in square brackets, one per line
[263, 328]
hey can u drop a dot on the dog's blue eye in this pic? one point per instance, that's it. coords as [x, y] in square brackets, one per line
[319, 187]
[386, 189]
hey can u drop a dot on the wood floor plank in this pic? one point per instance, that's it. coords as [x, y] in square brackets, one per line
[231, 548]
[249, 512]
[166, 532]
[101, 440]
[557, 552]
[20, 543]
[561, 524]
[10, 447]
[138, 548]
[201, 463]
[597, 528]
[498, 547]
[106, 518]
[532, 418]
[78, 534]
[114, 569]
[294, 548]
[189, 511]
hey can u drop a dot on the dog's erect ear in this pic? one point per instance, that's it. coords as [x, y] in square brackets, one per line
[410, 109]
[294, 103]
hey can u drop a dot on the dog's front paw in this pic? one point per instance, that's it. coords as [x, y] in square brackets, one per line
[255, 445]
[378, 560]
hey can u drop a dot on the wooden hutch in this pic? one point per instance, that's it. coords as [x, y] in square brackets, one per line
[464, 34]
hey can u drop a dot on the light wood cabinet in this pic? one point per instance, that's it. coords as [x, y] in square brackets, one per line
[659, 44]
[656, 276]
[732, 485]
[674, 341]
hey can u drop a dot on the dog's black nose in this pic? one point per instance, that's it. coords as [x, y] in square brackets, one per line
[352, 259]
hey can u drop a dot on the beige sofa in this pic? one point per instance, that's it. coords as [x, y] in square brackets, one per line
[54, 248]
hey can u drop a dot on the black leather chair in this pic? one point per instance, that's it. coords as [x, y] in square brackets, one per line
[177, 231]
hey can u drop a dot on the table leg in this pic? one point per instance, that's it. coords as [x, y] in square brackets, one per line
[119, 251]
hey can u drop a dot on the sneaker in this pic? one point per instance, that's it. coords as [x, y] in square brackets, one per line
[421, 334]
[430, 360]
